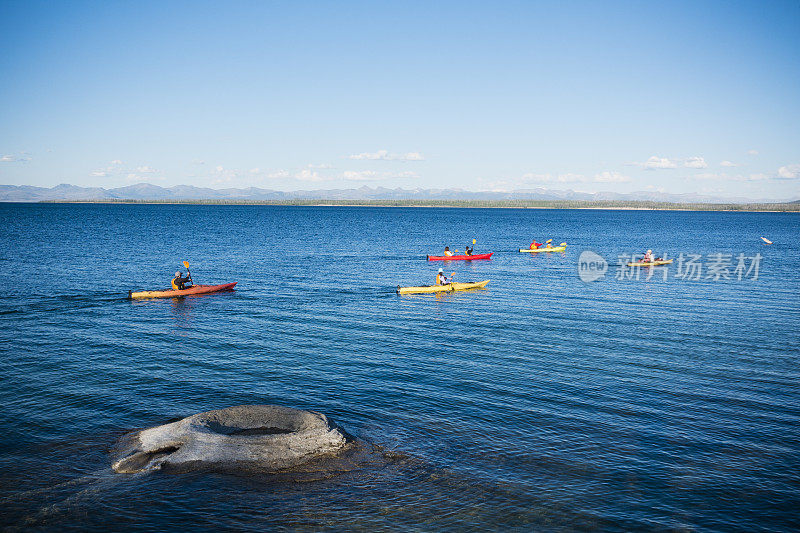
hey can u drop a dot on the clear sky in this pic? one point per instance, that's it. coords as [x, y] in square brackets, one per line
[590, 96]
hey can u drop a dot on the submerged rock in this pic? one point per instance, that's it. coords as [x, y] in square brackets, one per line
[267, 437]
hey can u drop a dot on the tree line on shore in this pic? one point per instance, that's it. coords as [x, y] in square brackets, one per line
[533, 204]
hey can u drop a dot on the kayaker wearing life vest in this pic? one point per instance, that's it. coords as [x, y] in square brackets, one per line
[468, 250]
[648, 257]
[179, 282]
[441, 279]
[535, 245]
[447, 251]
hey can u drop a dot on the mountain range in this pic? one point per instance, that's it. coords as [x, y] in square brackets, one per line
[147, 191]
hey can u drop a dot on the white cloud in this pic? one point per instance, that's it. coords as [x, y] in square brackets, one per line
[549, 178]
[380, 154]
[309, 175]
[255, 170]
[99, 173]
[13, 158]
[721, 176]
[789, 171]
[406, 174]
[146, 170]
[695, 162]
[728, 164]
[362, 175]
[116, 162]
[659, 163]
[321, 167]
[371, 175]
[752, 152]
[385, 155]
[316, 174]
[655, 162]
[610, 176]
[224, 175]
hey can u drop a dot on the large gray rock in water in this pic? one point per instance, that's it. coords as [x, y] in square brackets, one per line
[263, 436]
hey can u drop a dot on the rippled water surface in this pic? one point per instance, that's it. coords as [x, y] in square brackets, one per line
[541, 402]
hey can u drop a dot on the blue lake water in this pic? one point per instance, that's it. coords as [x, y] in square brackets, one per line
[541, 402]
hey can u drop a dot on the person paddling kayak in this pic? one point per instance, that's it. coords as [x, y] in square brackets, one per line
[447, 251]
[648, 257]
[441, 279]
[535, 245]
[179, 282]
[468, 250]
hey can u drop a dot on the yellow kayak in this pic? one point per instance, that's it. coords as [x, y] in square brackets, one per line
[442, 288]
[537, 250]
[653, 264]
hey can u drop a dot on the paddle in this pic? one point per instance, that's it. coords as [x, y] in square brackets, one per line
[186, 264]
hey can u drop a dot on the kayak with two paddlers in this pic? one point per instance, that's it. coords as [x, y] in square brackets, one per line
[649, 260]
[468, 254]
[459, 257]
[547, 246]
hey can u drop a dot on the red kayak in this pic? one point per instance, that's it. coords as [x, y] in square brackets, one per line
[197, 289]
[459, 257]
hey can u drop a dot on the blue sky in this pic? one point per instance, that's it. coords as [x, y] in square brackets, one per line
[590, 96]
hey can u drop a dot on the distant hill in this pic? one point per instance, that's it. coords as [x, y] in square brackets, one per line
[146, 191]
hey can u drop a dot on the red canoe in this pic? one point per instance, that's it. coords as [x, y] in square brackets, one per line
[197, 289]
[459, 257]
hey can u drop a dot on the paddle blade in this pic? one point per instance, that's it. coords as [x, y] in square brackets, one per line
[563, 244]
[473, 241]
[549, 240]
[186, 264]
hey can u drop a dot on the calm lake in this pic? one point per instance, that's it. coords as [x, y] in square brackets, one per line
[541, 402]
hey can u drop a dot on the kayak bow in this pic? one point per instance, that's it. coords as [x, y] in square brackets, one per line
[442, 288]
[459, 257]
[197, 289]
